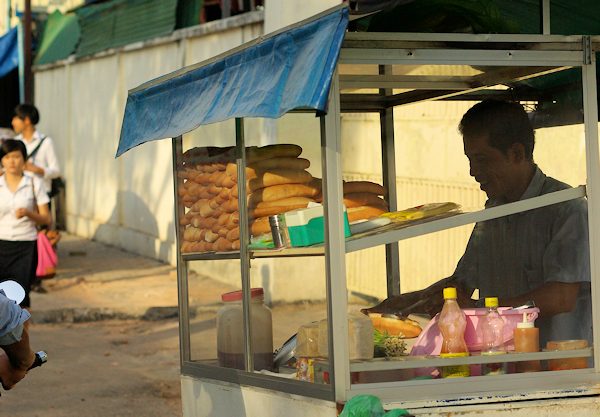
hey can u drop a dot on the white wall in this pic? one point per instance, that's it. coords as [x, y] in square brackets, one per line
[281, 13]
[126, 202]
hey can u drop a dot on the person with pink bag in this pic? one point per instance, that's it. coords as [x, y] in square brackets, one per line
[23, 206]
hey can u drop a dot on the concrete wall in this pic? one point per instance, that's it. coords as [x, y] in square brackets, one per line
[126, 202]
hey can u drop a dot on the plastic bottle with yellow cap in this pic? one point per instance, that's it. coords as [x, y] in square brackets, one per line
[492, 329]
[452, 323]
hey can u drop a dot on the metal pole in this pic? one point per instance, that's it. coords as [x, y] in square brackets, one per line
[8, 14]
[592, 154]
[182, 272]
[21, 50]
[546, 17]
[388, 159]
[244, 240]
[335, 244]
[28, 76]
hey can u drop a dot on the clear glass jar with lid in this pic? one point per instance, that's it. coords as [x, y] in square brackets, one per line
[230, 331]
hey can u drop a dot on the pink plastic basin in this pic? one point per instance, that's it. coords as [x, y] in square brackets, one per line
[429, 341]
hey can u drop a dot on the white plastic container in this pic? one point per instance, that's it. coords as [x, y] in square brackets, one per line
[230, 332]
[360, 337]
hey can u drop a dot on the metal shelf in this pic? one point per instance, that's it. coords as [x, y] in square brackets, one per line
[407, 232]
[254, 254]
[412, 362]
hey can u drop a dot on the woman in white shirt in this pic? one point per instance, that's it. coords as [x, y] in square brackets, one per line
[23, 206]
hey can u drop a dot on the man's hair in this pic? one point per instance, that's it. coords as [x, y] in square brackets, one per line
[11, 145]
[28, 110]
[504, 123]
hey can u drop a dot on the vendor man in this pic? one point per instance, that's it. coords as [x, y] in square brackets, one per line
[539, 255]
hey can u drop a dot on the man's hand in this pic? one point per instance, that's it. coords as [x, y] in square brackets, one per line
[427, 301]
[34, 168]
[9, 375]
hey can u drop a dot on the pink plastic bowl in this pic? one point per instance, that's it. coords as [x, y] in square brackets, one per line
[429, 341]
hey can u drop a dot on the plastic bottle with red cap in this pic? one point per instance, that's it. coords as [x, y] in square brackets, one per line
[230, 331]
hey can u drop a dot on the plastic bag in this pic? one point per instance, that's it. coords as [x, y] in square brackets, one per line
[363, 406]
[47, 259]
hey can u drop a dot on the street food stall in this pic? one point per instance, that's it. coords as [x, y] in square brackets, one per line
[240, 203]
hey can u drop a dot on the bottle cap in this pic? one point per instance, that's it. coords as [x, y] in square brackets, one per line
[525, 324]
[491, 302]
[449, 292]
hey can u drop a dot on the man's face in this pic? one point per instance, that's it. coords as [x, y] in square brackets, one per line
[492, 169]
[18, 124]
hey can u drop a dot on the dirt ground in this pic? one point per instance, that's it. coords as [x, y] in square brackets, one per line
[104, 368]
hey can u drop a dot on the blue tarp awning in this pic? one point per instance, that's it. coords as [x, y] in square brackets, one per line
[9, 53]
[289, 70]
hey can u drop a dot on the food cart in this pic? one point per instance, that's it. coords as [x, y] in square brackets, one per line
[316, 68]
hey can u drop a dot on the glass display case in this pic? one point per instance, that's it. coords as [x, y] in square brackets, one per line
[221, 213]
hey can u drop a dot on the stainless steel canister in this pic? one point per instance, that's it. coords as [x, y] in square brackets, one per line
[276, 231]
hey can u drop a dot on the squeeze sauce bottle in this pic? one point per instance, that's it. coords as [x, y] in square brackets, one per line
[492, 329]
[452, 323]
[527, 339]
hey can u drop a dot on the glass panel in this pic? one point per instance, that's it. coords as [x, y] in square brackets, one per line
[283, 174]
[538, 254]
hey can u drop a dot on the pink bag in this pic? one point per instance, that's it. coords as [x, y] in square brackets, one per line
[47, 259]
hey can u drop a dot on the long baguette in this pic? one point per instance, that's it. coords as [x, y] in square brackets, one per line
[254, 154]
[260, 226]
[395, 326]
[278, 192]
[254, 170]
[363, 187]
[365, 212]
[363, 199]
[284, 202]
[279, 176]
[270, 211]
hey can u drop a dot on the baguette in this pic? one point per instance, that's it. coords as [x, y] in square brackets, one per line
[280, 162]
[284, 202]
[271, 211]
[352, 200]
[364, 212]
[279, 176]
[255, 153]
[260, 226]
[393, 326]
[254, 170]
[278, 192]
[363, 187]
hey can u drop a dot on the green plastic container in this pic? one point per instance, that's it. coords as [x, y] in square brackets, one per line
[305, 227]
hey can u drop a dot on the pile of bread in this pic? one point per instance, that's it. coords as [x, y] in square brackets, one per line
[276, 182]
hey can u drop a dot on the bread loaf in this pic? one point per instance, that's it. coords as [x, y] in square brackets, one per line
[270, 208]
[363, 187]
[260, 226]
[364, 212]
[284, 202]
[254, 170]
[352, 200]
[279, 176]
[395, 326]
[278, 192]
[254, 153]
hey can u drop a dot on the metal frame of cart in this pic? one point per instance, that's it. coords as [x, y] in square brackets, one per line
[526, 55]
